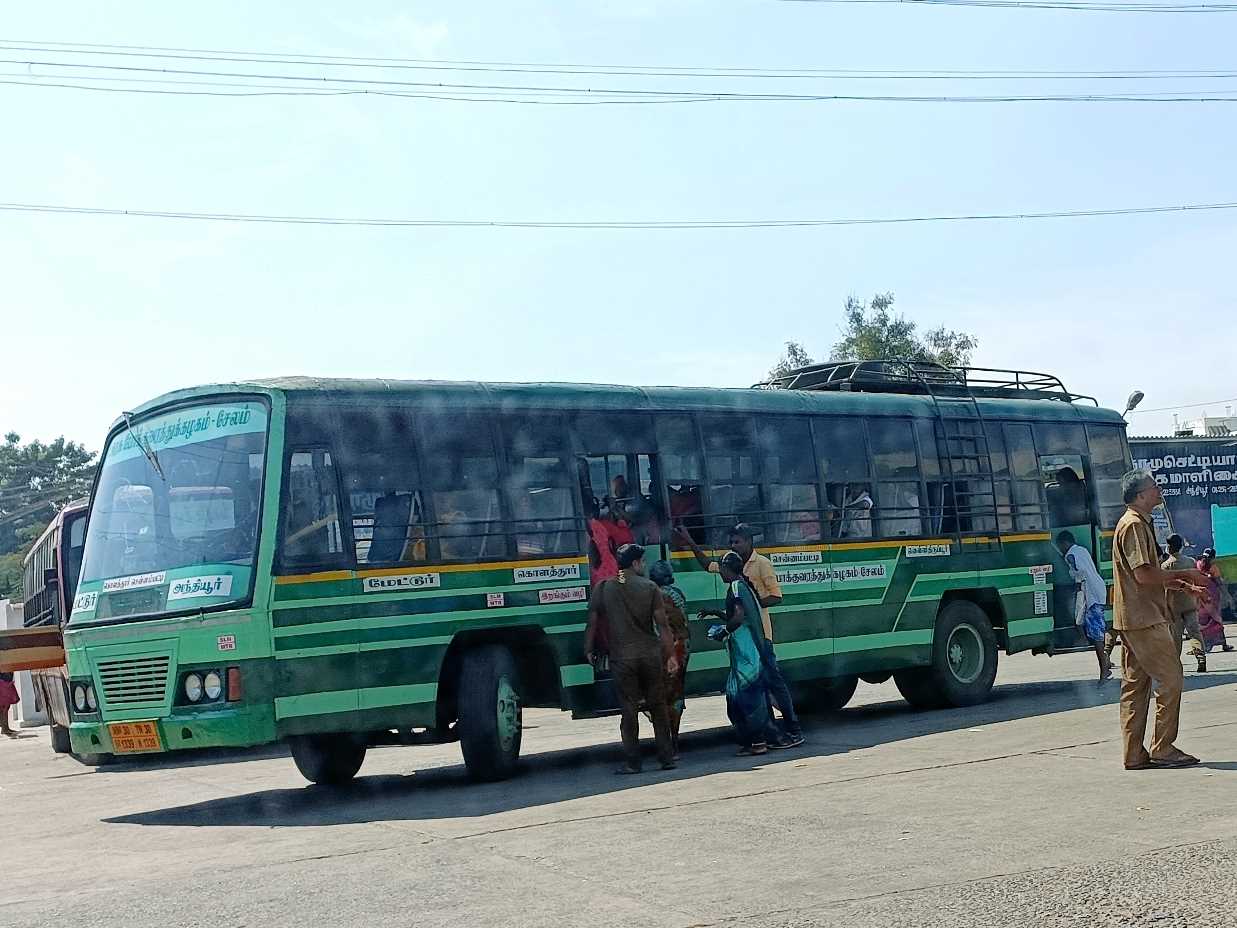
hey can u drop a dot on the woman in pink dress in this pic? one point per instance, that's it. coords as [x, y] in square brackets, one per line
[1210, 620]
[8, 697]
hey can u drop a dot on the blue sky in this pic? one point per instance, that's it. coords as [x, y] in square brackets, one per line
[135, 307]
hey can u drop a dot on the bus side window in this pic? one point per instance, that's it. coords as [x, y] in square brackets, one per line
[539, 485]
[788, 471]
[461, 472]
[842, 455]
[730, 462]
[1001, 482]
[1024, 466]
[1109, 460]
[383, 484]
[312, 533]
[682, 470]
[897, 478]
[616, 461]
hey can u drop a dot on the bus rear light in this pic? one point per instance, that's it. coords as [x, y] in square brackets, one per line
[235, 690]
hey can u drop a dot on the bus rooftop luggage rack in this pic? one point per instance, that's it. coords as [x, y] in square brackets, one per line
[926, 377]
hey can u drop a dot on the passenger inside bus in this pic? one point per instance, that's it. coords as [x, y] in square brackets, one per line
[1066, 494]
[687, 510]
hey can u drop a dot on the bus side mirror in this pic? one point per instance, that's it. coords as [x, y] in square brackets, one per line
[50, 577]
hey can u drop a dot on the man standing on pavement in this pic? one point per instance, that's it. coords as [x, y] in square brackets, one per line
[1182, 606]
[641, 652]
[759, 571]
[1140, 614]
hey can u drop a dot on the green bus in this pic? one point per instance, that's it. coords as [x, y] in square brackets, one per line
[346, 563]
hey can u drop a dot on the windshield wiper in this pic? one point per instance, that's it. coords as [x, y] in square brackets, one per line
[146, 449]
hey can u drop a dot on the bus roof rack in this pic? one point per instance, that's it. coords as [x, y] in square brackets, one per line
[924, 377]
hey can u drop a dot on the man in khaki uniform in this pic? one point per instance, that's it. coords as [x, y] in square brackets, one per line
[1140, 613]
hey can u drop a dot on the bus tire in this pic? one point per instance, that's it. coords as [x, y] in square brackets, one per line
[331, 760]
[60, 739]
[963, 667]
[490, 712]
[94, 760]
[828, 695]
[917, 687]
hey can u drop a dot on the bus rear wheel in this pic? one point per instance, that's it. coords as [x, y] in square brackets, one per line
[331, 760]
[490, 713]
[963, 667]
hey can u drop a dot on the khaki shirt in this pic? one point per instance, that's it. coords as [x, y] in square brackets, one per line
[1135, 605]
[1179, 603]
[759, 570]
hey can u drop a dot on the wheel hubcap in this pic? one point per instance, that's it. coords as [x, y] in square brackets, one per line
[965, 651]
[509, 715]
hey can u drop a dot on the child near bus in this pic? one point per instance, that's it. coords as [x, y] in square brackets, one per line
[8, 697]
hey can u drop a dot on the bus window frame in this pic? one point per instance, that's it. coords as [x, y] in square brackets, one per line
[565, 451]
[346, 559]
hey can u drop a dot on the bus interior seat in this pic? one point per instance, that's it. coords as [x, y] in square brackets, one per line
[392, 521]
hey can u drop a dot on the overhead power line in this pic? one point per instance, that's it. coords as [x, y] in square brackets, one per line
[547, 98]
[1183, 406]
[263, 84]
[615, 224]
[623, 70]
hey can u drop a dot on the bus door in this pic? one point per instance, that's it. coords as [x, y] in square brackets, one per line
[1067, 494]
[621, 505]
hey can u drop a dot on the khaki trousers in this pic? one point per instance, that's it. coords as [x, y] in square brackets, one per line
[1187, 624]
[641, 680]
[1150, 654]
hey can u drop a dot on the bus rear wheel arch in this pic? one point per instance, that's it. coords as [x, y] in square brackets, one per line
[964, 659]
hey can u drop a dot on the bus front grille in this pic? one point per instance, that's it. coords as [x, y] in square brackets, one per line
[134, 682]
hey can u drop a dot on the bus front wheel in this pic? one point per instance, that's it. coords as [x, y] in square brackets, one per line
[963, 664]
[823, 697]
[331, 760]
[490, 713]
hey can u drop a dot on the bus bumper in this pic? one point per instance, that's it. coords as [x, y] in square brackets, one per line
[226, 727]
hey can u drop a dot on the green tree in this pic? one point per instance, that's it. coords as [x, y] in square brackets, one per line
[872, 331]
[36, 479]
[794, 357]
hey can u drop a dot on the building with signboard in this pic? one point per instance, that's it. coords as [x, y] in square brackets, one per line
[1198, 477]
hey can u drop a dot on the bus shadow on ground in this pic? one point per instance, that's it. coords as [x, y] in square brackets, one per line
[446, 792]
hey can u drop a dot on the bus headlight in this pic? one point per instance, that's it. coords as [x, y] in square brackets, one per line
[91, 702]
[79, 697]
[212, 685]
[193, 687]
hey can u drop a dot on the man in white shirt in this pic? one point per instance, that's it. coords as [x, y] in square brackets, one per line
[1092, 597]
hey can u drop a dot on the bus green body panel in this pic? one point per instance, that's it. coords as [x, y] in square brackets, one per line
[353, 650]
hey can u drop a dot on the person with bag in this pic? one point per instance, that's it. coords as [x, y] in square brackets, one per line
[1091, 596]
[631, 609]
[747, 688]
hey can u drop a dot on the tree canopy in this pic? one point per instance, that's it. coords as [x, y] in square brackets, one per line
[36, 479]
[872, 331]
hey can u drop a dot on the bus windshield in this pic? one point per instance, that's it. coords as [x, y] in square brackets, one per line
[174, 518]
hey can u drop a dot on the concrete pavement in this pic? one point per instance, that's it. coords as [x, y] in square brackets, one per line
[1014, 811]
